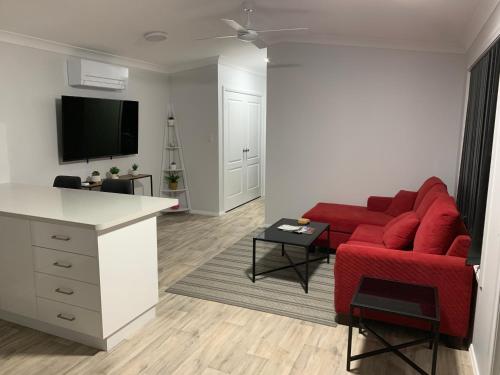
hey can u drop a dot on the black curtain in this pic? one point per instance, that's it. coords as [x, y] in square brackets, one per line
[477, 146]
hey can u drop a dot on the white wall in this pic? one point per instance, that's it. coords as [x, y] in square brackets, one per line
[244, 81]
[348, 122]
[194, 101]
[31, 82]
[4, 156]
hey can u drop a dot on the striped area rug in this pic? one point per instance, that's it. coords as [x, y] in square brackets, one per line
[226, 278]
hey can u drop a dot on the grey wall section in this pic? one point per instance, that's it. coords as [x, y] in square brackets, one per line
[194, 100]
[33, 80]
[347, 122]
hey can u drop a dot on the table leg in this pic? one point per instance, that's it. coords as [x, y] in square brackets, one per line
[133, 187]
[435, 349]
[282, 249]
[151, 184]
[253, 262]
[349, 341]
[308, 249]
[328, 245]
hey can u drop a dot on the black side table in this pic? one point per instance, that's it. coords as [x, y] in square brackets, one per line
[275, 235]
[398, 298]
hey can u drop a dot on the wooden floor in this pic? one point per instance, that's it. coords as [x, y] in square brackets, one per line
[192, 336]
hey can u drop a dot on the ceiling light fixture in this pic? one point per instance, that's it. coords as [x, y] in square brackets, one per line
[155, 36]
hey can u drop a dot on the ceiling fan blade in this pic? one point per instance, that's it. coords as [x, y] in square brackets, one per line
[259, 43]
[217, 37]
[277, 30]
[234, 25]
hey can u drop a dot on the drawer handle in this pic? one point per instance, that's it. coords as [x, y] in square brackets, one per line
[63, 265]
[68, 317]
[66, 291]
[60, 238]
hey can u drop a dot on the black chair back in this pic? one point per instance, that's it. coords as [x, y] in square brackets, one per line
[68, 182]
[117, 186]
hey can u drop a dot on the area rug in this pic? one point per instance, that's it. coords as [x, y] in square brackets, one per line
[226, 278]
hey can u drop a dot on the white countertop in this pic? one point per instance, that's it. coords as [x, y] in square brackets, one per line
[93, 209]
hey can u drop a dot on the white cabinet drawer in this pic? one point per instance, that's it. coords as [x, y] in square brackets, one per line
[68, 265]
[68, 291]
[70, 317]
[64, 237]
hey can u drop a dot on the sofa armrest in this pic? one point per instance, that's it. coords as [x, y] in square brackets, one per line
[379, 204]
[451, 276]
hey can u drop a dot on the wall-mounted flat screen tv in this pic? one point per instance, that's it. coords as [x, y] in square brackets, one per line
[98, 128]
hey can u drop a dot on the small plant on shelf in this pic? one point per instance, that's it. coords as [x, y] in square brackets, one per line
[135, 168]
[95, 177]
[114, 172]
[173, 180]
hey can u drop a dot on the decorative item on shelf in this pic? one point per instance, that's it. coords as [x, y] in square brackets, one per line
[95, 177]
[134, 171]
[173, 166]
[173, 179]
[114, 172]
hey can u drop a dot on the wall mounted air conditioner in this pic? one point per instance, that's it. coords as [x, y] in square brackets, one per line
[95, 74]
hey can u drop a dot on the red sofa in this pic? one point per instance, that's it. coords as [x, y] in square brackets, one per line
[435, 256]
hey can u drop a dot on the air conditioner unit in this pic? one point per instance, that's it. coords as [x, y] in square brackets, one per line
[88, 73]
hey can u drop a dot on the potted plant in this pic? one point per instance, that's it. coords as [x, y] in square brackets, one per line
[135, 168]
[173, 179]
[173, 166]
[114, 172]
[171, 120]
[95, 177]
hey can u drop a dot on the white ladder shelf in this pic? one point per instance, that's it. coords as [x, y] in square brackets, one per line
[172, 152]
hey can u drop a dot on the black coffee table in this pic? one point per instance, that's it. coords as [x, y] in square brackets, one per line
[398, 298]
[275, 235]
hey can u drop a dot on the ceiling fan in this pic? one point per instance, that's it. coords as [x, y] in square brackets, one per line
[248, 33]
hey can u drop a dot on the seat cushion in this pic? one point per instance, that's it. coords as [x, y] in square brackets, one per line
[433, 193]
[400, 232]
[345, 218]
[402, 202]
[424, 189]
[368, 233]
[438, 227]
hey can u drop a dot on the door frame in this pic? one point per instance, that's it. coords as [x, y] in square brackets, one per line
[222, 124]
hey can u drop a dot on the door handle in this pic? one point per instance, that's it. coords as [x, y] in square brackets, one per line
[66, 291]
[246, 149]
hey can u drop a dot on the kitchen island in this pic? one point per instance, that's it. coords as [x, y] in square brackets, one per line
[78, 264]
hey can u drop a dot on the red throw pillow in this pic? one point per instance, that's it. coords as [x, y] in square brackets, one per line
[438, 227]
[400, 231]
[460, 246]
[435, 192]
[401, 203]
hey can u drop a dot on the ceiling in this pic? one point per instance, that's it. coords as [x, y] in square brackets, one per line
[116, 26]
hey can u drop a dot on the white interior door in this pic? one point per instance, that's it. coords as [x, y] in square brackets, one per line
[242, 151]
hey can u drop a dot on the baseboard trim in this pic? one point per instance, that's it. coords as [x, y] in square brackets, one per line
[206, 213]
[473, 360]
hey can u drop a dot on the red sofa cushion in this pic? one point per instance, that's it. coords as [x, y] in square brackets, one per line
[438, 227]
[434, 192]
[424, 189]
[400, 232]
[402, 202]
[345, 218]
[460, 246]
[368, 233]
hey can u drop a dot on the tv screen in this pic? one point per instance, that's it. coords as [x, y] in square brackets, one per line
[96, 128]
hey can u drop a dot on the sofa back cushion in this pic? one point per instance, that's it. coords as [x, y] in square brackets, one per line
[438, 227]
[401, 203]
[424, 189]
[434, 192]
[400, 231]
[460, 246]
